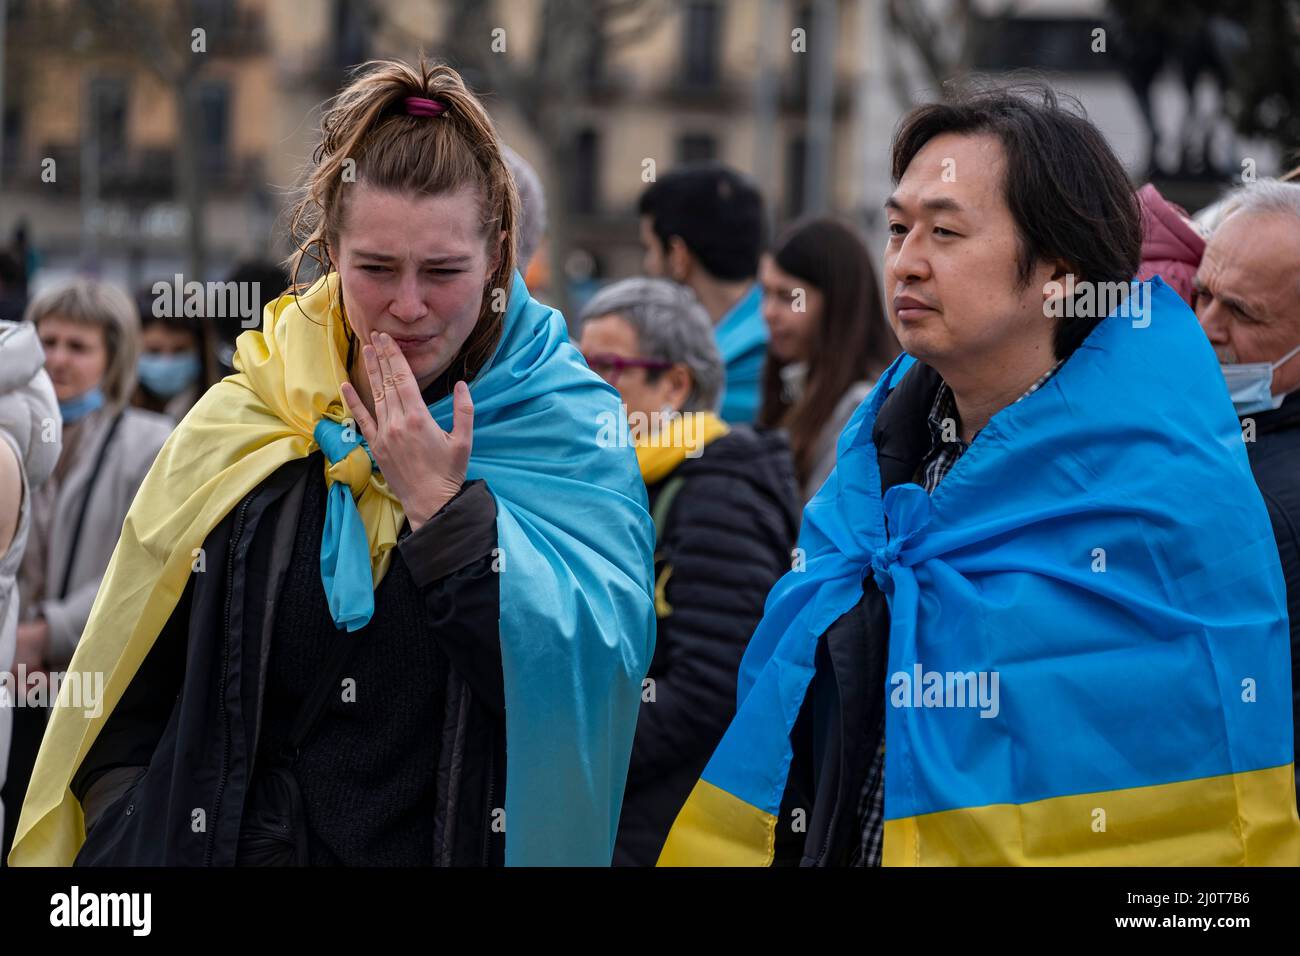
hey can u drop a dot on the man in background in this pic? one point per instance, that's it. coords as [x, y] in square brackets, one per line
[1248, 300]
[702, 226]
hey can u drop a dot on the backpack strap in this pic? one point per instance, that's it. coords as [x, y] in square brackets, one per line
[91, 482]
[663, 506]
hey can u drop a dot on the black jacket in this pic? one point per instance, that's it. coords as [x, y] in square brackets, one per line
[166, 780]
[724, 541]
[1275, 462]
[839, 728]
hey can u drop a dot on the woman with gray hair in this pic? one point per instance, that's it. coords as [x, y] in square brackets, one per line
[90, 333]
[726, 511]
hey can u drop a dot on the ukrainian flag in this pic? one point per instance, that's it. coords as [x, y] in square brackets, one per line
[1101, 551]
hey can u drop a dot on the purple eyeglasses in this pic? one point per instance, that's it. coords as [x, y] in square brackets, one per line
[609, 366]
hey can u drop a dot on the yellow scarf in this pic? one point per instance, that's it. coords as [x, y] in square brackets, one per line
[659, 454]
[238, 434]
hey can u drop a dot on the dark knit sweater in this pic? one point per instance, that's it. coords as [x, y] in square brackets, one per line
[368, 770]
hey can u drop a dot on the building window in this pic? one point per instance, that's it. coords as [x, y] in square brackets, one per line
[796, 165]
[1041, 43]
[696, 148]
[350, 41]
[214, 15]
[702, 42]
[803, 19]
[214, 126]
[586, 173]
[593, 67]
[108, 121]
[13, 126]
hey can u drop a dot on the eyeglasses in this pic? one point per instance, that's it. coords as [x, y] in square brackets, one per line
[609, 366]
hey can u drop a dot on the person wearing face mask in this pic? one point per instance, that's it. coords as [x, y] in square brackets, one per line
[1248, 301]
[90, 332]
[176, 362]
[1041, 571]
[725, 508]
[385, 598]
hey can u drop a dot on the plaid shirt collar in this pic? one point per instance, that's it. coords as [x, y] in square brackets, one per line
[944, 453]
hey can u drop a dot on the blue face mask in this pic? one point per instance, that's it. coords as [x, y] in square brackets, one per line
[81, 406]
[1251, 384]
[168, 375]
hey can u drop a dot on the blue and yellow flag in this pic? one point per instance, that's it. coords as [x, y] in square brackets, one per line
[575, 555]
[1099, 574]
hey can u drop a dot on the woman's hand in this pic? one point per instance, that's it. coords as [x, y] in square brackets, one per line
[424, 465]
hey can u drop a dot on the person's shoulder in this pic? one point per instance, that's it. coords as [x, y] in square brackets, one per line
[853, 396]
[743, 443]
[747, 456]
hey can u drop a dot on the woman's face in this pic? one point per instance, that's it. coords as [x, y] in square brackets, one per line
[76, 355]
[159, 339]
[792, 309]
[609, 337]
[415, 267]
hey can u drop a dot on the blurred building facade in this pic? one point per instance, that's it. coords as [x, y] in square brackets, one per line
[801, 94]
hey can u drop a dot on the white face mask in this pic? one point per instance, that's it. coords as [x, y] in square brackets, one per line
[1251, 384]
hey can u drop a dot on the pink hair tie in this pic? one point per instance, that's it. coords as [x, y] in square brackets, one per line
[420, 106]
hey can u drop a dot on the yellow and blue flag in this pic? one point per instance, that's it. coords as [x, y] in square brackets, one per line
[1102, 558]
[575, 553]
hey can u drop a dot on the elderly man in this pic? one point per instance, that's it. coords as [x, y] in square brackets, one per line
[1248, 301]
[1041, 617]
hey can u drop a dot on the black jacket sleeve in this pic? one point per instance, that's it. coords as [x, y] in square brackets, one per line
[453, 559]
[1287, 535]
[726, 545]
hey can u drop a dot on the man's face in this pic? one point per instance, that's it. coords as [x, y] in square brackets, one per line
[655, 264]
[1248, 293]
[953, 286]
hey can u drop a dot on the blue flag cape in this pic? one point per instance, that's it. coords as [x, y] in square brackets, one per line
[575, 556]
[1103, 549]
[742, 340]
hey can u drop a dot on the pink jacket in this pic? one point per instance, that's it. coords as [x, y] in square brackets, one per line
[1171, 246]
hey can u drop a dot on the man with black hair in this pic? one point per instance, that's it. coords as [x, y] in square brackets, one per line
[1037, 614]
[702, 226]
